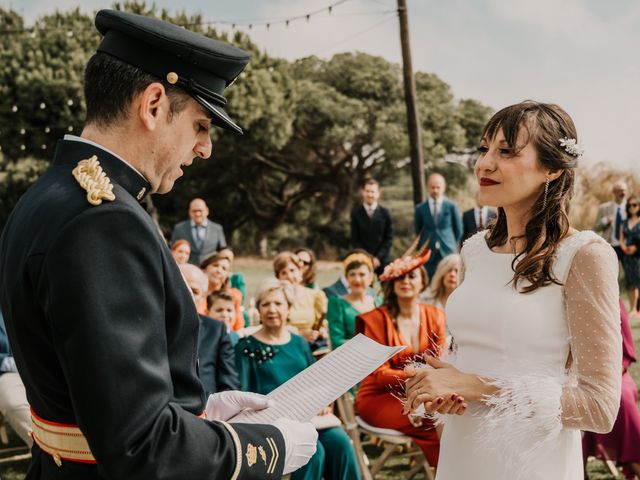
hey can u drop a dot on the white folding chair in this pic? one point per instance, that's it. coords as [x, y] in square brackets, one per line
[390, 440]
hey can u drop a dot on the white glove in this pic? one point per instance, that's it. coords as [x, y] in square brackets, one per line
[223, 406]
[300, 441]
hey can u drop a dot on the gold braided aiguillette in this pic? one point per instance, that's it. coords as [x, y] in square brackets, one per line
[91, 177]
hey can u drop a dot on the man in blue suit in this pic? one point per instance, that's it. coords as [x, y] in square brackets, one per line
[438, 219]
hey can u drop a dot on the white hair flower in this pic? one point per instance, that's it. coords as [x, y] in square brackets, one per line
[571, 146]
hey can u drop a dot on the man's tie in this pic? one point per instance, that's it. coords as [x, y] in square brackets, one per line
[200, 232]
[618, 223]
[435, 212]
[480, 222]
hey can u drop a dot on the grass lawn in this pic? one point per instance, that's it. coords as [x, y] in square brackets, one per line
[256, 270]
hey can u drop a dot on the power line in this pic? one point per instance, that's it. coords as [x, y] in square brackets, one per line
[357, 34]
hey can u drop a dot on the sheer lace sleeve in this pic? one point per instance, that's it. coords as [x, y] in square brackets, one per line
[591, 398]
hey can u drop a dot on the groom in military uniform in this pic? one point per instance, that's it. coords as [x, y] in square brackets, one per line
[101, 323]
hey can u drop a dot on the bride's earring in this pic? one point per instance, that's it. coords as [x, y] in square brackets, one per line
[546, 192]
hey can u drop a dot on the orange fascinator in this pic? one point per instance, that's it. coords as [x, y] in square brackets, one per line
[413, 258]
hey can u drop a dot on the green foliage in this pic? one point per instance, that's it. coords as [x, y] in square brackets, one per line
[41, 81]
[471, 116]
[15, 178]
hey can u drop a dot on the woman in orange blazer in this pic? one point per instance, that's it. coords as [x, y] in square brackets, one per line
[401, 320]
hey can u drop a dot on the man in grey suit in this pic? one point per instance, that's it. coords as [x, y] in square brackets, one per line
[611, 215]
[204, 236]
[438, 219]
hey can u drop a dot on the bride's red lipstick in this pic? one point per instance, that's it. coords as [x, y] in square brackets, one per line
[487, 182]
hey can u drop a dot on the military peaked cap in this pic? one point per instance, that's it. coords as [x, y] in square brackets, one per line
[203, 67]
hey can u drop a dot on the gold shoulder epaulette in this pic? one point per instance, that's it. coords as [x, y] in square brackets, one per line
[91, 177]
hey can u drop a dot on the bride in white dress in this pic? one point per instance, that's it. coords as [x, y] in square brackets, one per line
[535, 320]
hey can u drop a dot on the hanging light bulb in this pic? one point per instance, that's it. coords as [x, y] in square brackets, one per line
[14, 109]
[286, 23]
[47, 129]
[268, 26]
[42, 106]
[22, 131]
[22, 147]
[69, 34]
[70, 129]
[43, 146]
[69, 102]
[330, 9]
[308, 17]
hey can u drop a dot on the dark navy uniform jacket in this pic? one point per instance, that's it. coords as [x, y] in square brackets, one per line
[104, 332]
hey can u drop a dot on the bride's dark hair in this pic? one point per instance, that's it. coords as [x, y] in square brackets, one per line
[543, 125]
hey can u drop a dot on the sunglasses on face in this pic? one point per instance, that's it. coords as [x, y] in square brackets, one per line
[634, 204]
[305, 262]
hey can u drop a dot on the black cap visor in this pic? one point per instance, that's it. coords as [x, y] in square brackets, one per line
[220, 117]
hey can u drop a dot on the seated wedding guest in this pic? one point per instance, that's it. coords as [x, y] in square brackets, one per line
[217, 267]
[181, 249]
[444, 281]
[630, 246]
[13, 397]
[309, 306]
[341, 287]
[342, 311]
[273, 355]
[221, 307]
[401, 320]
[236, 280]
[216, 359]
[622, 444]
[307, 266]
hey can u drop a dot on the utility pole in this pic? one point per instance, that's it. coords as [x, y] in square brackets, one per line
[413, 120]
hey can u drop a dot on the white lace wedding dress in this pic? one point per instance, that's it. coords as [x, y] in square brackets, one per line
[555, 355]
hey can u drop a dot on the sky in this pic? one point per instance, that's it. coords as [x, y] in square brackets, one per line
[580, 54]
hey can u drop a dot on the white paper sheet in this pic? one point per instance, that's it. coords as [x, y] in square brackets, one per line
[317, 386]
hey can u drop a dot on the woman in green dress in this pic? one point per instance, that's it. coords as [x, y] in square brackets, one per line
[273, 355]
[342, 311]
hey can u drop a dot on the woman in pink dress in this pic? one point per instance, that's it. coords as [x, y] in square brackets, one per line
[623, 443]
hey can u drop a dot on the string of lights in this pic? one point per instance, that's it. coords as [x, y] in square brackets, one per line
[233, 24]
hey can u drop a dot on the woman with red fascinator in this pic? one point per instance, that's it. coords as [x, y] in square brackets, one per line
[401, 320]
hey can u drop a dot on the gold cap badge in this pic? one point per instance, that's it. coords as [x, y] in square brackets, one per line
[172, 78]
[89, 174]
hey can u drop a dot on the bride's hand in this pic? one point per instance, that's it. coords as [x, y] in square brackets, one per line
[439, 388]
[453, 405]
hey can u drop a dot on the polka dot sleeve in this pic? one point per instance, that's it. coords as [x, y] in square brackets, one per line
[591, 396]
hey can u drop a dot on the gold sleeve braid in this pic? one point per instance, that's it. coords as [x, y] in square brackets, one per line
[89, 174]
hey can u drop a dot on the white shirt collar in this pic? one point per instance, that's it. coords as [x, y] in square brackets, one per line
[75, 138]
[204, 224]
[370, 208]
